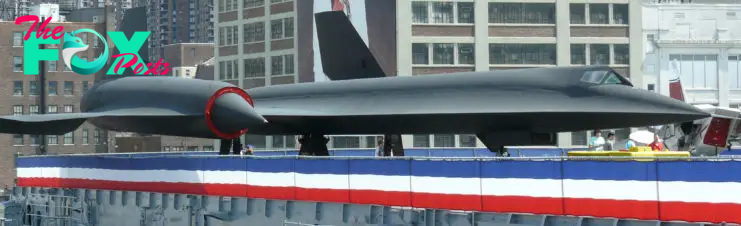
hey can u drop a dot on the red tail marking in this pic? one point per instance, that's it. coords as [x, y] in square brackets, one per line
[717, 133]
[675, 90]
[337, 6]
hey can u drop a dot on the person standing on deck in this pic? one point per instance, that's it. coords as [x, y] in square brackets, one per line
[597, 142]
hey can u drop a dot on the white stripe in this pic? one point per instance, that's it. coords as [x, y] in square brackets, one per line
[709, 192]
[380, 182]
[27, 172]
[285, 179]
[610, 189]
[549, 188]
[322, 181]
[446, 185]
[716, 192]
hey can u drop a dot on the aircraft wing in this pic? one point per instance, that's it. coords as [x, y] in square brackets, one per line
[61, 123]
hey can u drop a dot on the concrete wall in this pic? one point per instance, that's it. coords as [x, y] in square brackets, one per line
[693, 29]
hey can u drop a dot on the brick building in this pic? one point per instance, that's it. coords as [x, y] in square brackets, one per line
[59, 92]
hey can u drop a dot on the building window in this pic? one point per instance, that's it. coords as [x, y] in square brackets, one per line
[254, 32]
[253, 3]
[69, 108]
[52, 139]
[33, 88]
[17, 64]
[599, 13]
[276, 65]
[522, 13]
[85, 136]
[578, 54]
[276, 29]
[465, 12]
[289, 64]
[254, 68]
[69, 138]
[84, 38]
[532, 54]
[17, 109]
[467, 140]
[222, 36]
[466, 53]
[578, 12]
[579, 138]
[622, 54]
[419, 12]
[442, 12]
[35, 140]
[17, 39]
[96, 136]
[342, 141]
[443, 140]
[229, 35]
[85, 86]
[235, 35]
[53, 65]
[599, 54]
[442, 53]
[698, 71]
[33, 109]
[18, 140]
[229, 69]
[52, 88]
[421, 140]
[620, 13]
[288, 27]
[69, 88]
[51, 109]
[17, 88]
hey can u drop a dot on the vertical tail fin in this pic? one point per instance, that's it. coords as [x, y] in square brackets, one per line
[344, 54]
[676, 90]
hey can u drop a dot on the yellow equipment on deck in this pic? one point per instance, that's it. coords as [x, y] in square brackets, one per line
[636, 151]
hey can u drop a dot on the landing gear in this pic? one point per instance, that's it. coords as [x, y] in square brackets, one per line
[234, 144]
[313, 145]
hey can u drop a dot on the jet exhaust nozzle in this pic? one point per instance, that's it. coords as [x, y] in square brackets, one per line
[229, 113]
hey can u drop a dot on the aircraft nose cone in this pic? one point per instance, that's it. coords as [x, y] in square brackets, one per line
[652, 107]
[232, 113]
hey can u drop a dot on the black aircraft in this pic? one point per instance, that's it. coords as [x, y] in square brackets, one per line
[504, 107]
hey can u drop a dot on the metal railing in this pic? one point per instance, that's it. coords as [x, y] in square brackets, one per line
[432, 158]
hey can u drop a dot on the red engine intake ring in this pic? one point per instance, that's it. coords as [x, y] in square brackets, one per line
[210, 105]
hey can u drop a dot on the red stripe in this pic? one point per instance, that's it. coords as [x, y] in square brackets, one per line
[389, 198]
[447, 201]
[631, 209]
[644, 210]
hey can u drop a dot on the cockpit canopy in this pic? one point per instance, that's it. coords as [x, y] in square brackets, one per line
[604, 77]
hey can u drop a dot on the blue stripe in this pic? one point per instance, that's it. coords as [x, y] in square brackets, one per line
[604, 170]
[717, 171]
[115, 163]
[521, 169]
[224, 164]
[270, 165]
[322, 166]
[386, 167]
[432, 168]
